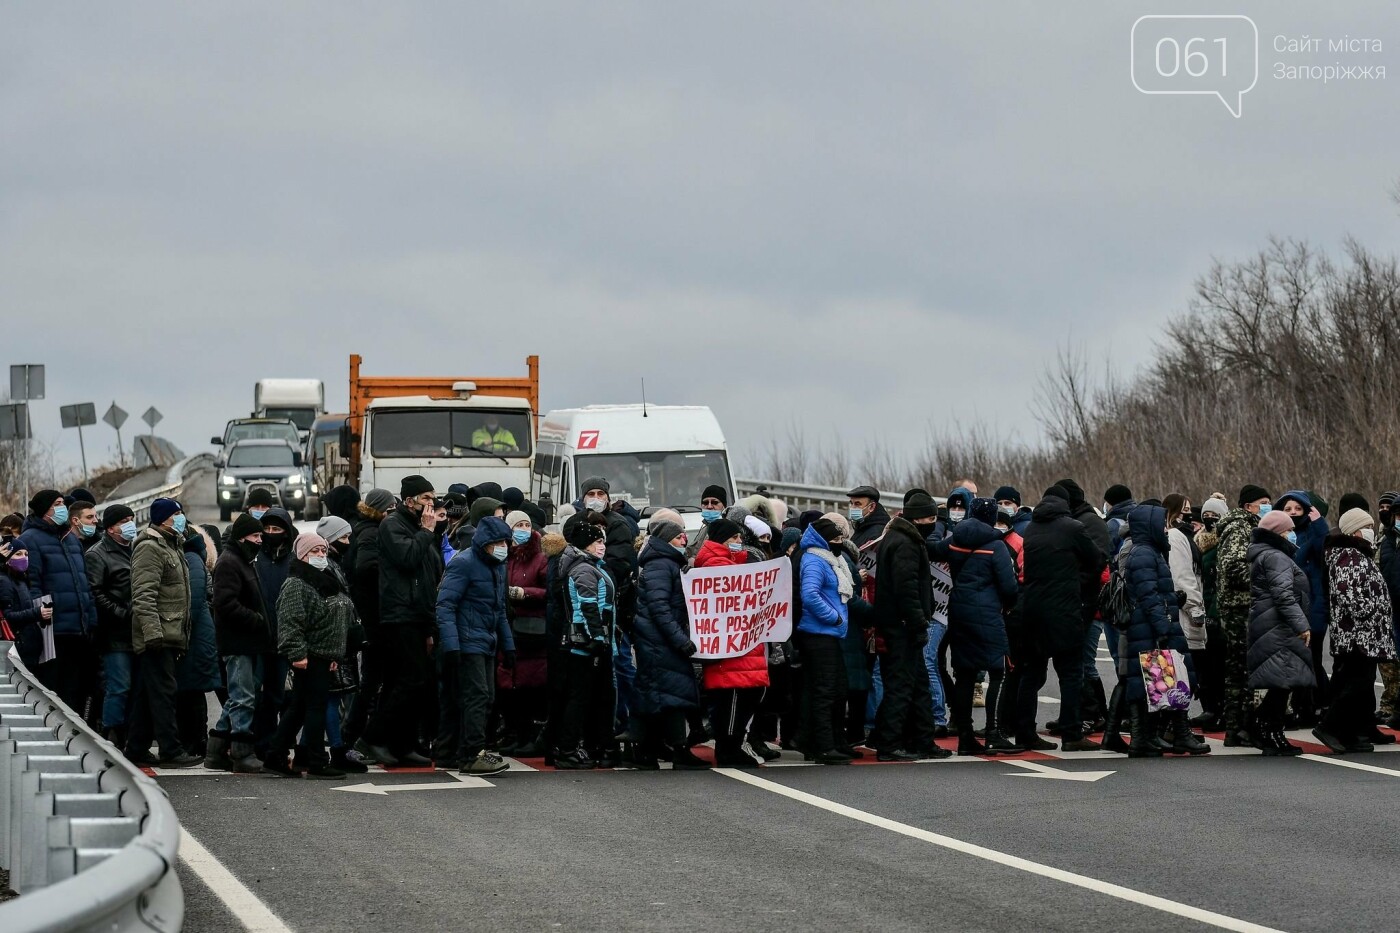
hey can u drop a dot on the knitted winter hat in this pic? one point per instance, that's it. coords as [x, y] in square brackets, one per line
[515, 518]
[333, 528]
[305, 542]
[414, 485]
[758, 526]
[722, 529]
[1216, 506]
[665, 531]
[162, 509]
[984, 510]
[1007, 493]
[1353, 520]
[1278, 521]
[1117, 493]
[1251, 493]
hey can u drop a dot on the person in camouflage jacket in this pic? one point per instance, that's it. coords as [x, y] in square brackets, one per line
[1236, 531]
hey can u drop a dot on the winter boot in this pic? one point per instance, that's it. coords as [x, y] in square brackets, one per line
[1159, 727]
[216, 757]
[376, 753]
[241, 757]
[279, 765]
[323, 771]
[1000, 744]
[348, 760]
[1113, 723]
[1096, 716]
[1184, 741]
[968, 744]
[1142, 745]
[683, 759]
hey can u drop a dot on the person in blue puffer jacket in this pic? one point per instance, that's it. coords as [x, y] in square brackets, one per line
[826, 587]
[1155, 623]
[1312, 529]
[472, 625]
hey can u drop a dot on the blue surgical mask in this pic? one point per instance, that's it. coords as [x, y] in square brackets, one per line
[1265, 509]
[678, 550]
[87, 531]
[500, 551]
[709, 515]
[1011, 509]
[855, 514]
[1292, 537]
[60, 515]
[257, 513]
[736, 546]
[128, 530]
[180, 523]
[319, 562]
[521, 535]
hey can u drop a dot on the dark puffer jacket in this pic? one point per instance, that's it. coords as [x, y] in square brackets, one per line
[1059, 556]
[410, 566]
[661, 637]
[1390, 569]
[1278, 618]
[1358, 600]
[362, 568]
[57, 568]
[871, 527]
[903, 581]
[1312, 537]
[984, 585]
[109, 577]
[198, 670]
[239, 623]
[471, 604]
[1156, 618]
[17, 606]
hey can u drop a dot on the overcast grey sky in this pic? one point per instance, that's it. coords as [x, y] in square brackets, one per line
[864, 217]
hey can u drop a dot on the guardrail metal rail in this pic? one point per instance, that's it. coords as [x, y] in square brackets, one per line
[140, 503]
[807, 496]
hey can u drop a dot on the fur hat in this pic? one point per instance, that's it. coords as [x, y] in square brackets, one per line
[1353, 500]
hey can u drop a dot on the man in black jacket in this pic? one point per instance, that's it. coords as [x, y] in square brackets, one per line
[109, 575]
[867, 516]
[1094, 703]
[362, 568]
[410, 566]
[1060, 556]
[903, 608]
[245, 640]
[274, 562]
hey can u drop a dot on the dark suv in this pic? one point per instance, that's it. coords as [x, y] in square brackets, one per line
[262, 462]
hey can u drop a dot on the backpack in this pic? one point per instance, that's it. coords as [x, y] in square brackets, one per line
[1115, 599]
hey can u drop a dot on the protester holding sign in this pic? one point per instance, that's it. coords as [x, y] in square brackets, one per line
[736, 684]
[827, 587]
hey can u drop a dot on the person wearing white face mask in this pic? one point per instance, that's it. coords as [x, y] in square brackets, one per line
[109, 575]
[314, 616]
[522, 698]
[472, 628]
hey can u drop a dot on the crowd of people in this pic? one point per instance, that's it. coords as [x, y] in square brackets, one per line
[455, 629]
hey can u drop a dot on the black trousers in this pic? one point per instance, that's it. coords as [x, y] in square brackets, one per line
[963, 688]
[466, 690]
[590, 705]
[905, 716]
[1069, 668]
[730, 713]
[73, 675]
[192, 720]
[662, 730]
[408, 680]
[824, 689]
[366, 699]
[1351, 715]
[153, 710]
[271, 699]
[1272, 708]
[305, 713]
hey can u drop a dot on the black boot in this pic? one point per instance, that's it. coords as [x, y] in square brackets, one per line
[967, 742]
[1113, 723]
[1184, 741]
[1159, 727]
[1142, 745]
[1096, 717]
[216, 752]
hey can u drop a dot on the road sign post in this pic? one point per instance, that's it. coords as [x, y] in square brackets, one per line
[116, 418]
[26, 385]
[75, 416]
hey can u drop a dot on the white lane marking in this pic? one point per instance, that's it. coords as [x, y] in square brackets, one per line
[255, 916]
[1036, 770]
[1355, 765]
[1141, 898]
[1054, 701]
[459, 782]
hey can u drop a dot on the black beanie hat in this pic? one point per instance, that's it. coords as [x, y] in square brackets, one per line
[715, 492]
[827, 529]
[920, 505]
[1353, 500]
[487, 491]
[243, 526]
[1008, 493]
[1076, 494]
[42, 501]
[722, 529]
[1058, 491]
[1117, 493]
[1251, 493]
[582, 534]
[984, 510]
[916, 491]
[807, 516]
[115, 515]
[79, 494]
[512, 497]
[414, 485]
[259, 497]
[593, 482]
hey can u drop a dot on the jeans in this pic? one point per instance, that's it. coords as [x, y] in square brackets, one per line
[625, 678]
[875, 696]
[1091, 651]
[934, 663]
[333, 737]
[117, 667]
[245, 674]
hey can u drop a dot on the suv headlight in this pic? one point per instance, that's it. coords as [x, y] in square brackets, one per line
[295, 480]
[227, 481]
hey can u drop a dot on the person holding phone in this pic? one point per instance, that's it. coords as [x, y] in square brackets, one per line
[22, 617]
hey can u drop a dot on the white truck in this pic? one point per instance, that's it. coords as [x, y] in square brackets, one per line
[300, 400]
[652, 456]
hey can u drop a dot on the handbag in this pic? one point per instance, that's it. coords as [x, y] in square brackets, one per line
[345, 678]
[1166, 680]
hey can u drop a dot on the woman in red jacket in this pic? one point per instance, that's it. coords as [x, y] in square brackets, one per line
[735, 685]
[522, 690]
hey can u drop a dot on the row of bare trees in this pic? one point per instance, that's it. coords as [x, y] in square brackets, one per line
[1283, 371]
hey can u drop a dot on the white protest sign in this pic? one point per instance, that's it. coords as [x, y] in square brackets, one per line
[942, 590]
[732, 610]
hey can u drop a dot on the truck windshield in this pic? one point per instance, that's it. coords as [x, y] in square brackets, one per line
[265, 430]
[445, 432]
[260, 455]
[303, 418]
[657, 478]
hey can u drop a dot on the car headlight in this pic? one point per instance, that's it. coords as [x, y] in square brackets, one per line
[295, 480]
[228, 481]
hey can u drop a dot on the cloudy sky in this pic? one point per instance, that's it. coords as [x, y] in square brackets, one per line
[865, 219]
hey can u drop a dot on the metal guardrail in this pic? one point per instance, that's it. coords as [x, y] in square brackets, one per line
[140, 503]
[807, 496]
[89, 841]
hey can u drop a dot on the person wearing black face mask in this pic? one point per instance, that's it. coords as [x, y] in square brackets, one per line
[245, 640]
[273, 562]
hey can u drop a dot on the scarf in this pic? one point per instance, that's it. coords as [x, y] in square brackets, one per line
[844, 584]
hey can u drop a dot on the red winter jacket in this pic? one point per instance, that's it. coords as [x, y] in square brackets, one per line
[748, 670]
[525, 568]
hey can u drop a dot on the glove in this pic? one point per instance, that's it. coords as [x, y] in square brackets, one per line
[517, 593]
[510, 661]
[689, 649]
[921, 636]
[1162, 642]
